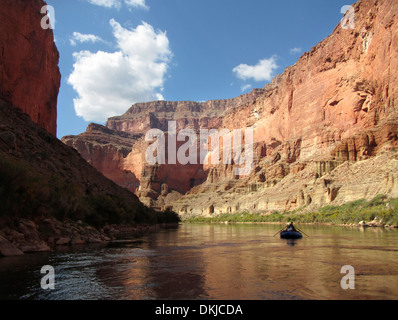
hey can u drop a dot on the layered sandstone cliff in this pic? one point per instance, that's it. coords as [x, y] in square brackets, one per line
[29, 74]
[118, 149]
[325, 131]
[334, 108]
[188, 114]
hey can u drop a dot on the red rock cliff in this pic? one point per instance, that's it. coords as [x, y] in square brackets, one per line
[102, 146]
[335, 108]
[29, 73]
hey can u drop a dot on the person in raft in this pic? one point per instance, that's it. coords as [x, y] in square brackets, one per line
[290, 227]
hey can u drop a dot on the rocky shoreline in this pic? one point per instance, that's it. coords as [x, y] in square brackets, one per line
[42, 235]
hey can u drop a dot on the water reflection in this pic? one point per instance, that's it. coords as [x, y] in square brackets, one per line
[215, 262]
[292, 242]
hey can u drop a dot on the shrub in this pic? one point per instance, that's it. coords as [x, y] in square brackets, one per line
[353, 212]
[168, 216]
[24, 192]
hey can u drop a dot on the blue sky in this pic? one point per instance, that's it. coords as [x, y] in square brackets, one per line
[114, 53]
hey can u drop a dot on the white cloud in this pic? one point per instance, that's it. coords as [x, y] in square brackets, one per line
[296, 50]
[107, 3]
[108, 83]
[79, 37]
[118, 3]
[262, 71]
[245, 87]
[136, 4]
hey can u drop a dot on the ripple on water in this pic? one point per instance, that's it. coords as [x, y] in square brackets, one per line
[214, 262]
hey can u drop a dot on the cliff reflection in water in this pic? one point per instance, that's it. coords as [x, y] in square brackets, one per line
[203, 261]
[246, 262]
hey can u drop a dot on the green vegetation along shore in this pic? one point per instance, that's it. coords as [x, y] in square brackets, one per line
[381, 211]
[29, 194]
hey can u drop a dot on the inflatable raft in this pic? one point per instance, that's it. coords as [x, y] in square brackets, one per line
[291, 234]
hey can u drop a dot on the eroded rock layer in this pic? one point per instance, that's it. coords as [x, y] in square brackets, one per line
[325, 131]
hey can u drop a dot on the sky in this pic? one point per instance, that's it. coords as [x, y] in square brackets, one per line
[114, 53]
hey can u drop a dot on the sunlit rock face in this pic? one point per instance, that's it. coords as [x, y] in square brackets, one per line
[29, 73]
[118, 148]
[325, 130]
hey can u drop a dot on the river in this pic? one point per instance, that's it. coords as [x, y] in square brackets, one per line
[215, 261]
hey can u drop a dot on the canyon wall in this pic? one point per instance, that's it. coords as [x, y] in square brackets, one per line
[102, 146]
[325, 130]
[29, 73]
[49, 194]
[331, 112]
